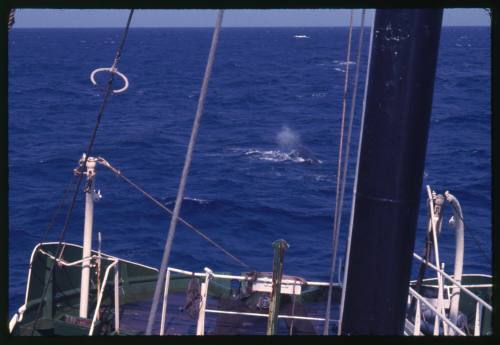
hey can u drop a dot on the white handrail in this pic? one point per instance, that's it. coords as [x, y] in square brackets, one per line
[214, 311]
[117, 298]
[228, 276]
[74, 263]
[436, 312]
[467, 291]
[243, 278]
[416, 329]
[106, 256]
[99, 299]
[477, 321]
[432, 220]
[13, 322]
[165, 300]
[200, 327]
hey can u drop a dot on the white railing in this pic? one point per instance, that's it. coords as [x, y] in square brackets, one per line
[114, 264]
[101, 293]
[208, 275]
[434, 227]
[480, 303]
[454, 282]
[438, 315]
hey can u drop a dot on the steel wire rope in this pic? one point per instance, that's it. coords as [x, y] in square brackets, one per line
[185, 171]
[339, 171]
[158, 203]
[479, 245]
[345, 159]
[107, 93]
[59, 207]
[12, 19]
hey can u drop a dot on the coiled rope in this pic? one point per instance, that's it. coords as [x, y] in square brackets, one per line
[107, 93]
[341, 177]
[185, 171]
[158, 203]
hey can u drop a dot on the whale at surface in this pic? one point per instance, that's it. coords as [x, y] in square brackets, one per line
[306, 154]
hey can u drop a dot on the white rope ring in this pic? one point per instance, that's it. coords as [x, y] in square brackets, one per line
[110, 70]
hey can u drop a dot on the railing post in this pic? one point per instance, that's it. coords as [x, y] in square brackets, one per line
[416, 329]
[436, 203]
[477, 322]
[99, 297]
[164, 307]
[438, 315]
[200, 329]
[48, 308]
[436, 324]
[442, 308]
[274, 306]
[117, 298]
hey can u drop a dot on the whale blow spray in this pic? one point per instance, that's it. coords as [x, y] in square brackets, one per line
[287, 139]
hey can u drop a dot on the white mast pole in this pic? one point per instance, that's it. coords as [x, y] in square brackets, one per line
[458, 222]
[87, 238]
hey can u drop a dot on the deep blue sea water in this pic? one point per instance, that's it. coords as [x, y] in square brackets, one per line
[245, 189]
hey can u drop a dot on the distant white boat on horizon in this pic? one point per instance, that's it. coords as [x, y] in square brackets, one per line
[301, 36]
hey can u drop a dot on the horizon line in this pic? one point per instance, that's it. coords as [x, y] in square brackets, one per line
[211, 27]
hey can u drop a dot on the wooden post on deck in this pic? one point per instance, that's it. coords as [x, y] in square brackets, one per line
[274, 307]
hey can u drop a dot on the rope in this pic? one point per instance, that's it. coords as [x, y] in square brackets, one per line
[338, 215]
[335, 228]
[12, 19]
[59, 207]
[107, 93]
[185, 171]
[479, 246]
[158, 203]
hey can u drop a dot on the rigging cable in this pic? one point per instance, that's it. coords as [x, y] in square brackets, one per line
[354, 189]
[187, 162]
[337, 193]
[59, 207]
[479, 246]
[341, 187]
[154, 200]
[12, 18]
[107, 93]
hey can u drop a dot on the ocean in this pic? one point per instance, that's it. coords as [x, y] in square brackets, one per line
[270, 93]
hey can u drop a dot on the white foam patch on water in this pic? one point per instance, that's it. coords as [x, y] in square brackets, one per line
[279, 156]
[186, 198]
[323, 178]
[289, 149]
[274, 156]
[199, 201]
[343, 63]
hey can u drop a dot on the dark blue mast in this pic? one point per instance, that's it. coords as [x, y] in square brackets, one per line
[390, 168]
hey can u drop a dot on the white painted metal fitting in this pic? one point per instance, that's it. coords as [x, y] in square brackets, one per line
[209, 271]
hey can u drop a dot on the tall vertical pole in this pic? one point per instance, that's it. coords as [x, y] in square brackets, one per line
[458, 224]
[388, 185]
[117, 297]
[185, 171]
[274, 306]
[87, 238]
